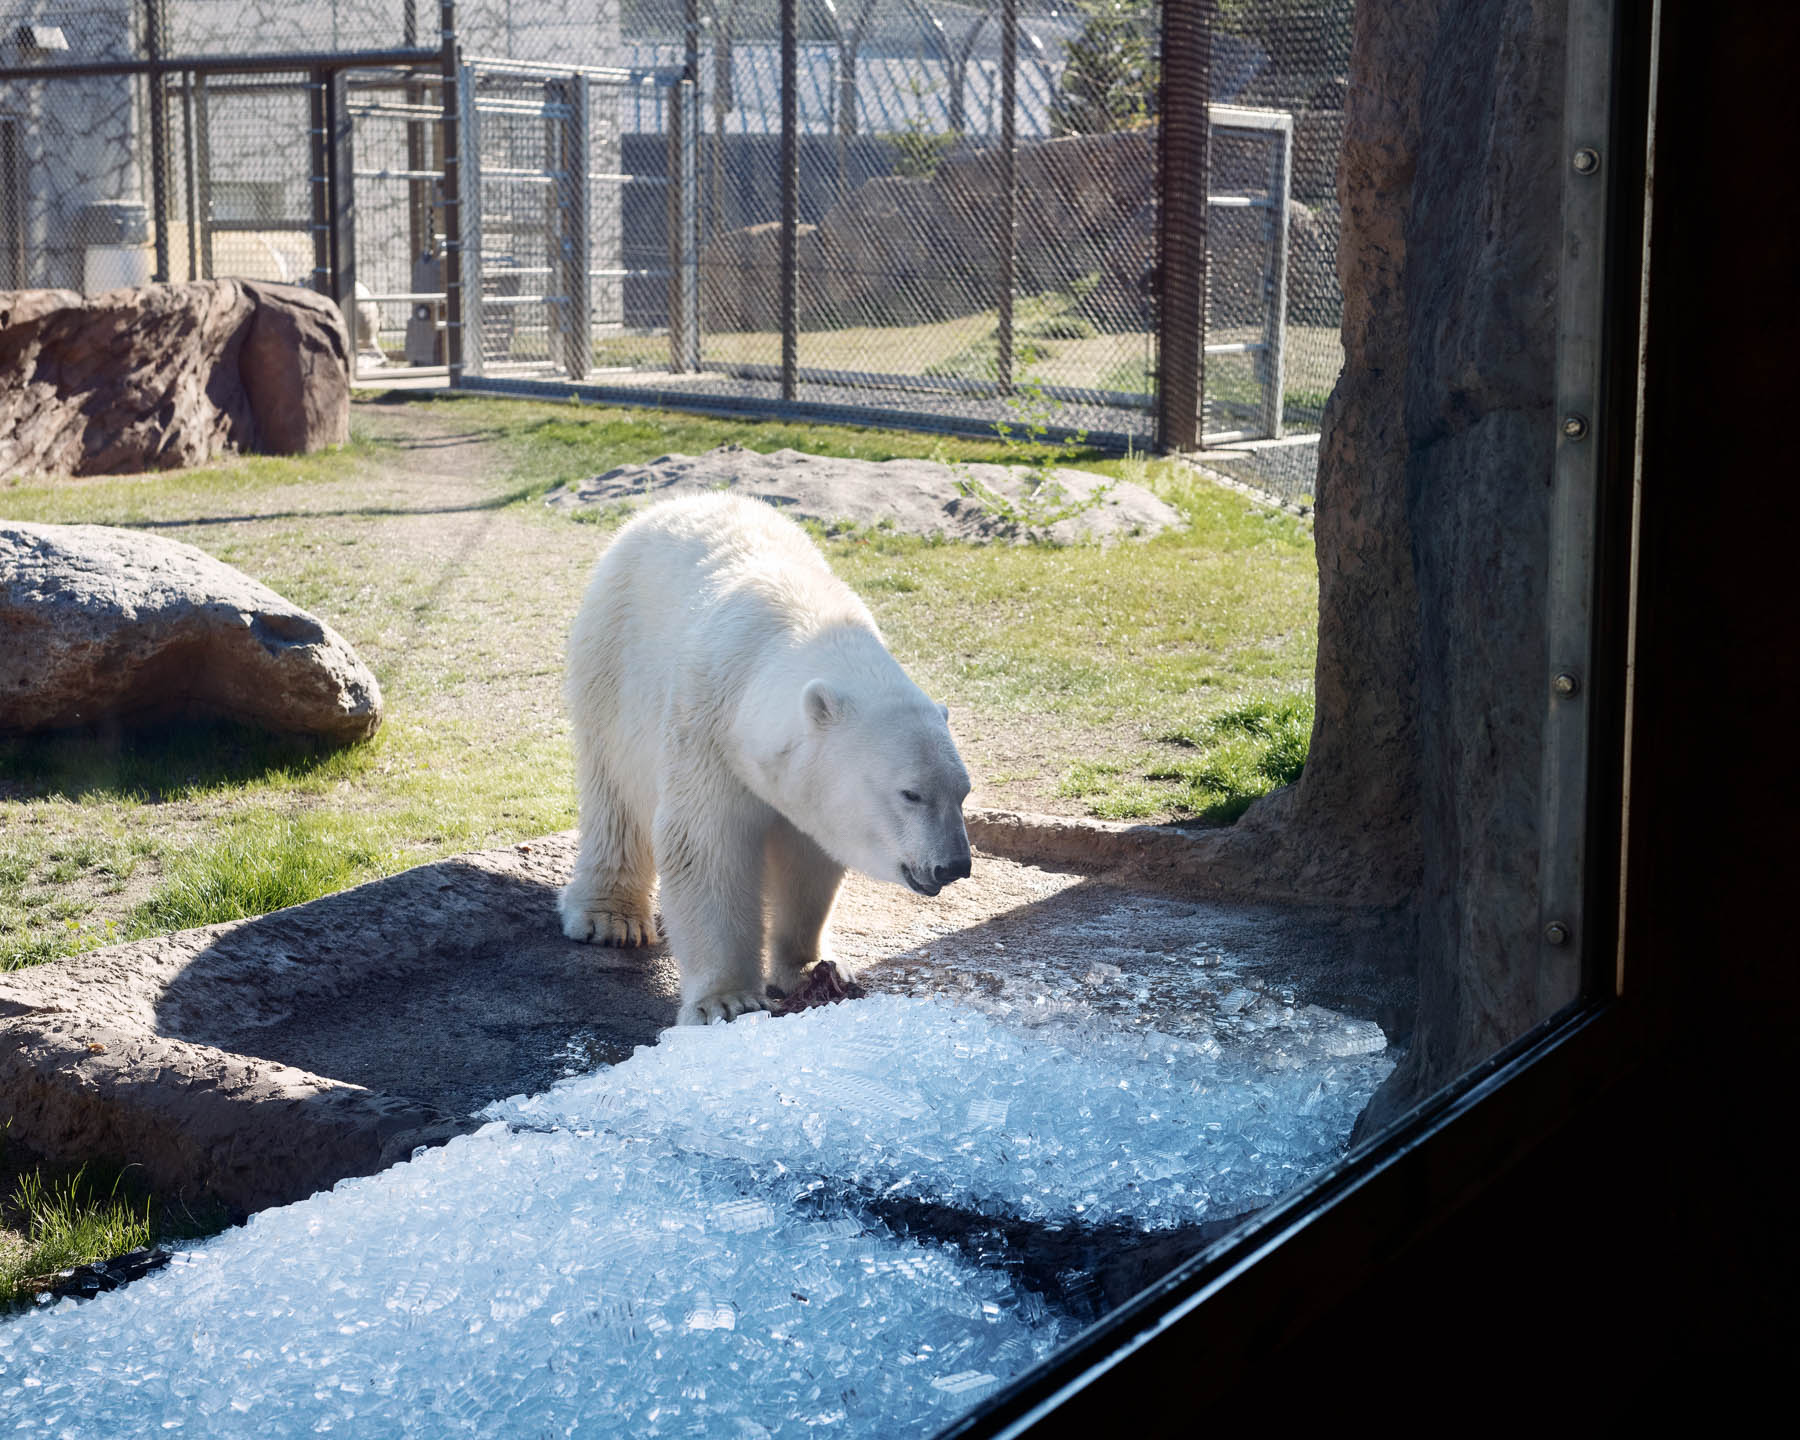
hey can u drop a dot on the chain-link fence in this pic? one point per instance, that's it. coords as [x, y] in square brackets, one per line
[885, 209]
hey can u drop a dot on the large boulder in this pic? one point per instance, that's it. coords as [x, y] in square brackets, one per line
[168, 375]
[99, 624]
[295, 369]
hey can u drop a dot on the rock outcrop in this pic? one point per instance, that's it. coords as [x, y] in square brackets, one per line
[1421, 789]
[99, 624]
[168, 375]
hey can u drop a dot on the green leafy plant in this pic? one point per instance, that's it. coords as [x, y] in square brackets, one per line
[1046, 501]
[919, 150]
[1110, 80]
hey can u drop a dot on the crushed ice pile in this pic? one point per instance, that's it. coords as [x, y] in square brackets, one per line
[939, 1102]
[680, 1243]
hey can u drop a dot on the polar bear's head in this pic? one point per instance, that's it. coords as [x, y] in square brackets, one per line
[885, 786]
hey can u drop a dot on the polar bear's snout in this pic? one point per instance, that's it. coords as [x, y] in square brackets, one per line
[929, 882]
[946, 862]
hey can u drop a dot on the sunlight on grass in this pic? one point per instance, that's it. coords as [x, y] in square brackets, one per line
[53, 1219]
[72, 1221]
[1211, 769]
[263, 863]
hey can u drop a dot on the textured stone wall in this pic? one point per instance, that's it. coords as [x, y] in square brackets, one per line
[1422, 788]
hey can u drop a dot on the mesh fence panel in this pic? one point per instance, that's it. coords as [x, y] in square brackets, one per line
[253, 189]
[253, 27]
[920, 288]
[72, 182]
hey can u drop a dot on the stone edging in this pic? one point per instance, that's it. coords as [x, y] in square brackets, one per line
[88, 1068]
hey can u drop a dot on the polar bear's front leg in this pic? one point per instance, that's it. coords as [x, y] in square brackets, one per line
[709, 854]
[802, 886]
[607, 899]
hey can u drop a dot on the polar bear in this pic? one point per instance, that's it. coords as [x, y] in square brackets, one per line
[741, 731]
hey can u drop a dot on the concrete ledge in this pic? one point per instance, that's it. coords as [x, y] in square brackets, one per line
[259, 1061]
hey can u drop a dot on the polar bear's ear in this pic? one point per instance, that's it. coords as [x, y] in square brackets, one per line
[823, 705]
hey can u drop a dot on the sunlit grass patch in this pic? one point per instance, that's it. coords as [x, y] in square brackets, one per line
[52, 1220]
[263, 863]
[1210, 769]
[74, 1220]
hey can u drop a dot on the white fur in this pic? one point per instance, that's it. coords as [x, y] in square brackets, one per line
[741, 730]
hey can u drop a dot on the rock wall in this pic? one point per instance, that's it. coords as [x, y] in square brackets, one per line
[1421, 791]
[168, 375]
[1483, 248]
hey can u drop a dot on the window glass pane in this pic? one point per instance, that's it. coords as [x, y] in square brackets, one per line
[1276, 744]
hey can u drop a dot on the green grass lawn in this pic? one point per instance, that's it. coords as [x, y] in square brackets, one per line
[1081, 679]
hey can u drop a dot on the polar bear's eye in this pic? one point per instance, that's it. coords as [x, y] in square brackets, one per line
[912, 797]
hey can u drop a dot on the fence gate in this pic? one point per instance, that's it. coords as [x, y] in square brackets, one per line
[571, 265]
[383, 174]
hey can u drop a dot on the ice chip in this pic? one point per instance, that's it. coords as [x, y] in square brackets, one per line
[966, 1385]
[989, 1113]
[739, 1216]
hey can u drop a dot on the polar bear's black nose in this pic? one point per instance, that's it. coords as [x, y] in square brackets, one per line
[958, 870]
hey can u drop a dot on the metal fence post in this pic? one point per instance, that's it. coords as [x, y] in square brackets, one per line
[1183, 166]
[466, 228]
[189, 200]
[155, 36]
[319, 178]
[341, 172]
[452, 96]
[684, 227]
[790, 201]
[1273, 358]
[573, 210]
[202, 217]
[1008, 236]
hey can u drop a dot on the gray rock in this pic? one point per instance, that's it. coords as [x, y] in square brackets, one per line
[99, 623]
[919, 497]
[168, 375]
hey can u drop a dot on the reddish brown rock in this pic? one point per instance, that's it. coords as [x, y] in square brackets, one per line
[168, 375]
[295, 369]
[126, 381]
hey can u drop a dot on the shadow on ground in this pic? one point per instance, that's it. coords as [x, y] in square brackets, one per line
[152, 763]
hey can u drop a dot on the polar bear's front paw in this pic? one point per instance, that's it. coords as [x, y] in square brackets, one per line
[607, 922]
[727, 1005]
